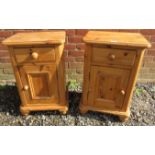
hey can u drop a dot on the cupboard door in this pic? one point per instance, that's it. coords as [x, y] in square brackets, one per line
[108, 87]
[40, 83]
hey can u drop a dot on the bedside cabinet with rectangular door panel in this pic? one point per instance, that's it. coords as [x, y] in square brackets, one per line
[111, 65]
[38, 63]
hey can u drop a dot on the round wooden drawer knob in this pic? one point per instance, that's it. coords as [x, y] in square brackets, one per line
[122, 92]
[35, 55]
[26, 87]
[112, 57]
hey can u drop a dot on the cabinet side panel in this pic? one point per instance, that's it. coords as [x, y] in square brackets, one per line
[133, 78]
[86, 78]
[61, 73]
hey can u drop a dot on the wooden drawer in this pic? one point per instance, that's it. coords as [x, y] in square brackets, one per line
[113, 56]
[27, 55]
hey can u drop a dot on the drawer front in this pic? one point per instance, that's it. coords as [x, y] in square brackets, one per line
[27, 55]
[113, 56]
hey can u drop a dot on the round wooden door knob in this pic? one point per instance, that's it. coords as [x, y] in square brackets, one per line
[26, 87]
[35, 55]
[122, 92]
[112, 57]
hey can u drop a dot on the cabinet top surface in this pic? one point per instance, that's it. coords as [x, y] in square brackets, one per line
[35, 38]
[116, 38]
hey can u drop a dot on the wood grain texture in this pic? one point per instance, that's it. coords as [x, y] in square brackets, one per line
[39, 71]
[61, 74]
[18, 78]
[36, 38]
[25, 55]
[112, 71]
[86, 77]
[109, 85]
[42, 83]
[113, 56]
[133, 78]
[116, 38]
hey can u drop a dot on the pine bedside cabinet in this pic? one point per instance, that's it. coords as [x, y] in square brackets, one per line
[112, 61]
[38, 63]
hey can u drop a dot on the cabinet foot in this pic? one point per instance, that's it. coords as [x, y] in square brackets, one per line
[83, 110]
[24, 112]
[64, 111]
[124, 118]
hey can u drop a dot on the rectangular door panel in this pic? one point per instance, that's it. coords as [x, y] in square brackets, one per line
[41, 83]
[108, 87]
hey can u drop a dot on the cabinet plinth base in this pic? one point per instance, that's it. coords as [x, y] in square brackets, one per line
[25, 110]
[123, 116]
